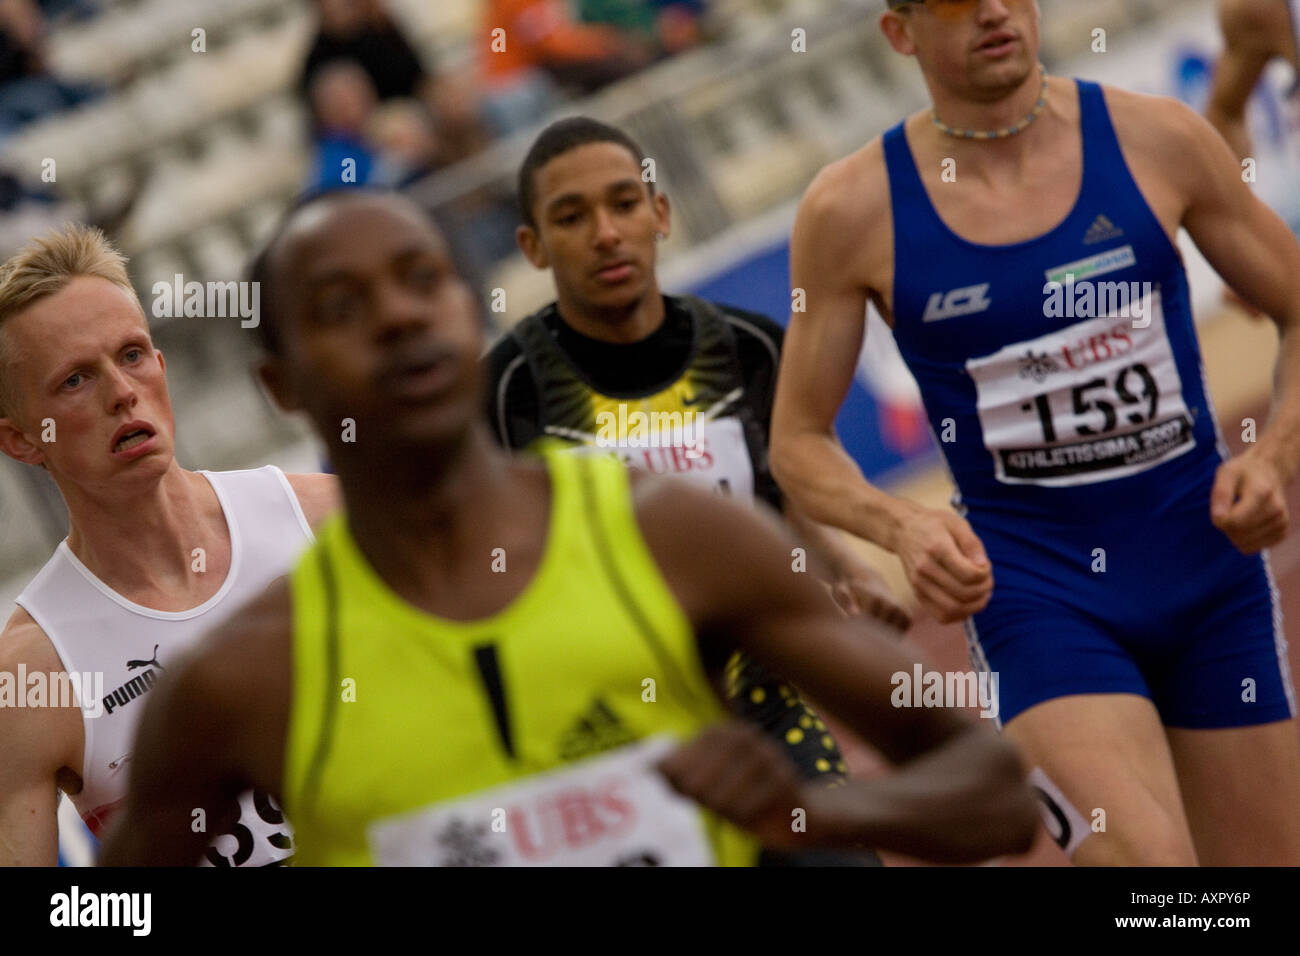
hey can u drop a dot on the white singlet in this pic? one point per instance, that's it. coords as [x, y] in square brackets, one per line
[97, 631]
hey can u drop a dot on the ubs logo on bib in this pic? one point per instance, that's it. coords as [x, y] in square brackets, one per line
[612, 810]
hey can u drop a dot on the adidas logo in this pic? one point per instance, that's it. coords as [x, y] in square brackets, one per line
[597, 731]
[1101, 230]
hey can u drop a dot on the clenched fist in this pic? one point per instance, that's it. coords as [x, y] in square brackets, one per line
[744, 777]
[945, 563]
[1248, 502]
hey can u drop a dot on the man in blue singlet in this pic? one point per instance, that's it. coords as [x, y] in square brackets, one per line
[1104, 553]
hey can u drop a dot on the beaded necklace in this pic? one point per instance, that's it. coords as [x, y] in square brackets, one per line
[1003, 133]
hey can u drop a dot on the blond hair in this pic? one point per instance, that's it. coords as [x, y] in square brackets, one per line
[45, 266]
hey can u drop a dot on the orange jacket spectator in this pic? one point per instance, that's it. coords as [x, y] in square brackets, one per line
[543, 33]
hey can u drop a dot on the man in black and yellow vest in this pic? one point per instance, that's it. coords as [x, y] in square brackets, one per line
[612, 353]
[414, 689]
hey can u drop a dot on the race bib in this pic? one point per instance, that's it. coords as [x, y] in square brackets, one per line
[713, 453]
[718, 458]
[261, 836]
[613, 810]
[1096, 401]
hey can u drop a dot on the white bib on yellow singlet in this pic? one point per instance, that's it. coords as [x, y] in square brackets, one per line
[612, 810]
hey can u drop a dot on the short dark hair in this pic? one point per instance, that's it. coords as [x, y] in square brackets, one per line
[260, 271]
[556, 140]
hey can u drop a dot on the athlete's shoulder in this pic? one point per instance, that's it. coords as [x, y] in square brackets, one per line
[844, 226]
[684, 525]
[723, 562]
[23, 642]
[318, 495]
[1146, 119]
[1168, 132]
[849, 189]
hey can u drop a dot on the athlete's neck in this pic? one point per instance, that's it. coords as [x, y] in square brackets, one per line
[621, 326]
[143, 547]
[1005, 111]
[424, 524]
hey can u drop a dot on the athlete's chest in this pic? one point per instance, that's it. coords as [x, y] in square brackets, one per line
[698, 426]
[996, 207]
[1011, 237]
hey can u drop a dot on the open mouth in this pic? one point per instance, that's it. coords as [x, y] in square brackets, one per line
[131, 435]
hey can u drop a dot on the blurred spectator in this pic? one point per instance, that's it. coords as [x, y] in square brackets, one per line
[27, 89]
[543, 44]
[457, 107]
[343, 99]
[403, 137]
[678, 24]
[669, 26]
[390, 144]
[628, 16]
[361, 31]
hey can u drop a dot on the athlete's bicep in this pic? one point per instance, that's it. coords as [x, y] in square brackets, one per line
[35, 744]
[827, 325]
[1243, 239]
[29, 799]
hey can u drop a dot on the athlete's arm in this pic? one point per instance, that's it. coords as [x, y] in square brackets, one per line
[35, 743]
[856, 586]
[1257, 255]
[943, 558]
[1251, 31]
[958, 793]
[318, 495]
[212, 729]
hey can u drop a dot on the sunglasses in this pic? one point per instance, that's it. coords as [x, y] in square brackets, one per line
[946, 9]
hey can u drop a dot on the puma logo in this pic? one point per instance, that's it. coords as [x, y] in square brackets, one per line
[132, 665]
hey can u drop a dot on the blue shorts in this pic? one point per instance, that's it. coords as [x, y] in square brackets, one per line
[1178, 615]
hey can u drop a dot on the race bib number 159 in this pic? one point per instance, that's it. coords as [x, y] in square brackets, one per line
[1095, 401]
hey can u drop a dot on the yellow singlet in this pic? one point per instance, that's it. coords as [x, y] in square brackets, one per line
[396, 712]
